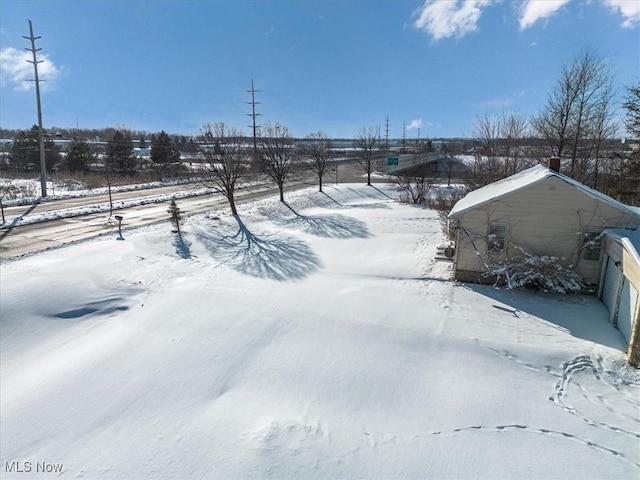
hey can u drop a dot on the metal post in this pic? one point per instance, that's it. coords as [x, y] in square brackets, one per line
[253, 116]
[119, 219]
[35, 61]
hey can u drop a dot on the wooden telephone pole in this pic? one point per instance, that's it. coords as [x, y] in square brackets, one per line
[35, 62]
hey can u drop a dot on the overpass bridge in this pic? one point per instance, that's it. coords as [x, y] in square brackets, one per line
[412, 161]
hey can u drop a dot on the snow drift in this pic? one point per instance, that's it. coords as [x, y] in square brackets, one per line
[316, 339]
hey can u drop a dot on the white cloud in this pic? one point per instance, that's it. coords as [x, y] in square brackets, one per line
[629, 9]
[534, 10]
[415, 124]
[455, 18]
[16, 71]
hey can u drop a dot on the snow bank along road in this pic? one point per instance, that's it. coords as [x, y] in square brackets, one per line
[60, 222]
[315, 339]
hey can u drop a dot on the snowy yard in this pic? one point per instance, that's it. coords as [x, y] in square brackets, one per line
[316, 340]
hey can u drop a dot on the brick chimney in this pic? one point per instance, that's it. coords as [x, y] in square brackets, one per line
[554, 164]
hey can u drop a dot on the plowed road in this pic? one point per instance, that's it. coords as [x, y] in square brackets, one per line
[21, 240]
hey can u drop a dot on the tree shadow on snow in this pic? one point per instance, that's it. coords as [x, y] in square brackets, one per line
[183, 247]
[8, 228]
[327, 226]
[268, 256]
[381, 192]
[325, 200]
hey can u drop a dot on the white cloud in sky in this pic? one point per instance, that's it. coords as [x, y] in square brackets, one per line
[415, 124]
[629, 9]
[16, 71]
[455, 18]
[534, 10]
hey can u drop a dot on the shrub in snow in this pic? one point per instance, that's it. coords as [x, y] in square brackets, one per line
[544, 273]
[414, 188]
[443, 202]
[175, 216]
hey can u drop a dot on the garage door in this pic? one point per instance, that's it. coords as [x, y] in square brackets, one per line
[611, 280]
[628, 300]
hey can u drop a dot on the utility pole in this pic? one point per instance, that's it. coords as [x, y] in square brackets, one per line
[418, 139]
[387, 133]
[35, 62]
[253, 116]
[404, 133]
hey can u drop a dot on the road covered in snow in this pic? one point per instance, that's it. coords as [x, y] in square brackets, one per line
[314, 339]
[33, 224]
[61, 222]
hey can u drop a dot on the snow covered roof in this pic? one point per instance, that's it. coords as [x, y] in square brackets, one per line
[630, 238]
[524, 179]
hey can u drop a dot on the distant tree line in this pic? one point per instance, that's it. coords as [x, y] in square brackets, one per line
[117, 155]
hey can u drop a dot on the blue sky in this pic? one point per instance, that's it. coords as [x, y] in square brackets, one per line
[333, 66]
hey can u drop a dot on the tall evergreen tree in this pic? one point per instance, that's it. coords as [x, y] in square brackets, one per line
[120, 158]
[165, 156]
[80, 156]
[175, 216]
[25, 152]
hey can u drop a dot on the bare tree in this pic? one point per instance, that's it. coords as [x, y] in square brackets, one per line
[450, 150]
[500, 141]
[632, 106]
[277, 154]
[601, 128]
[5, 188]
[631, 165]
[486, 131]
[223, 148]
[565, 121]
[595, 86]
[488, 166]
[368, 144]
[415, 185]
[514, 128]
[317, 148]
[553, 123]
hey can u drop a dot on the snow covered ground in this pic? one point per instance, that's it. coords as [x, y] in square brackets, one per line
[316, 340]
[20, 191]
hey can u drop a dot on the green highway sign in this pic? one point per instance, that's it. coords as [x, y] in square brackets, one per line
[392, 161]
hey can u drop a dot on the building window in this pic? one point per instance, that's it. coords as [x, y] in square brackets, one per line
[497, 238]
[590, 248]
